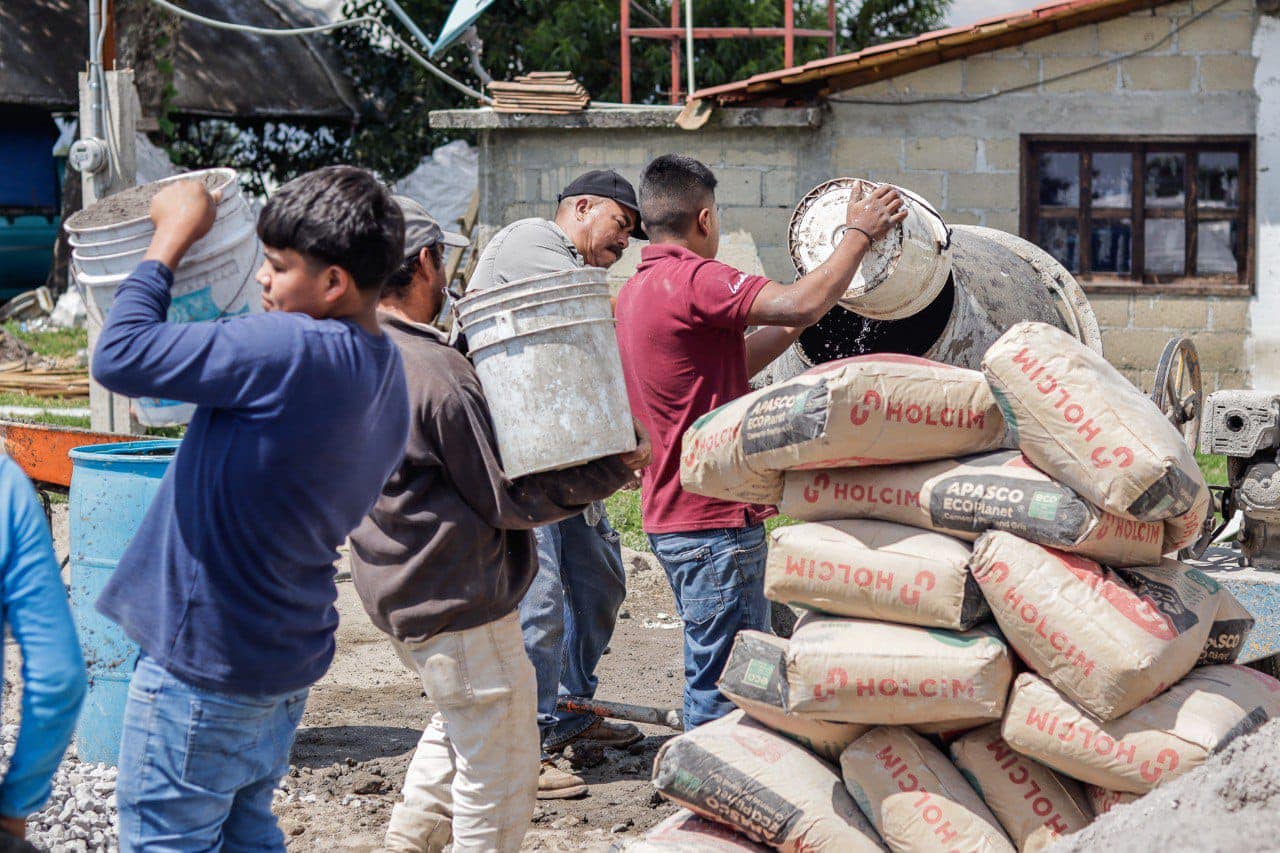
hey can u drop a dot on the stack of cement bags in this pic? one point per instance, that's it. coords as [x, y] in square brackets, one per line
[958, 523]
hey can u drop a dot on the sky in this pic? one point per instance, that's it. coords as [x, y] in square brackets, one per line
[967, 11]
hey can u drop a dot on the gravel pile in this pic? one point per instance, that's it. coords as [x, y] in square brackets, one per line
[1230, 804]
[81, 813]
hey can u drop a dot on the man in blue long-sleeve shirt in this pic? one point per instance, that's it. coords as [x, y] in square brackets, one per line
[35, 608]
[227, 586]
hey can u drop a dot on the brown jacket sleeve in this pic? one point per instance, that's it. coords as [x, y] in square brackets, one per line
[460, 428]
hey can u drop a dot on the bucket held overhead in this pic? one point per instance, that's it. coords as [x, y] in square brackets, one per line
[546, 351]
[900, 274]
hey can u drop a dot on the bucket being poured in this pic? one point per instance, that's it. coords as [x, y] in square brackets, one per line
[546, 352]
[215, 278]
[900, 274]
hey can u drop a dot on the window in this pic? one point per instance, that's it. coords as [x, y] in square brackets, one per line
[1143, 213]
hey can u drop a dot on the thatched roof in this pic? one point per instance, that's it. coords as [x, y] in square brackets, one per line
[43, 45]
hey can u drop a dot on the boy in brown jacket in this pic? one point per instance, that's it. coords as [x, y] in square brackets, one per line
[441, 563]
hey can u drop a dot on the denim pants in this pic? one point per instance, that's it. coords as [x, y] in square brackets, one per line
[718, 580]
[474, 776]
[198, 768]
[568, 615]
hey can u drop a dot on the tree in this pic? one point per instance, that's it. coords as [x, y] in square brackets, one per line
[582, 36]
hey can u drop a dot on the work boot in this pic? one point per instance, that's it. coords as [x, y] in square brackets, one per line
[556, 784]
[605, 733]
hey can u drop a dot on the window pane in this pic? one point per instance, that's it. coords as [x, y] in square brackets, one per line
[1112, 180]
[1109, 244]
[1060, 238]
[1165, 246]
[1218, 178]
[1216, 247]
[1060, 179]
[1164, 180]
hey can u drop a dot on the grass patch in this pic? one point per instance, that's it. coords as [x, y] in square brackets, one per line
[51, 343]
[1213, 467]
[18, 398]
[624, 515]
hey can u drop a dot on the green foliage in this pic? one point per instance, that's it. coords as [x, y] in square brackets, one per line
[624, 515]
[50, 343]
[581, 36]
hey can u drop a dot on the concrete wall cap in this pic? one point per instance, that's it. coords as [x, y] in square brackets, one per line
[638, 116]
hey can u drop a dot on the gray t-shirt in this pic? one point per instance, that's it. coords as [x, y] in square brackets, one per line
[523, 249]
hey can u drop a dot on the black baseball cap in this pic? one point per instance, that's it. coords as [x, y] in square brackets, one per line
[606, 183]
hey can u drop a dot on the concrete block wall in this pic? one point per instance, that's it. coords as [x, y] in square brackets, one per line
[1196, 78]
[758, 174]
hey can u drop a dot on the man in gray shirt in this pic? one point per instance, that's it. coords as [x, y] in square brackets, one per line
[568, 615]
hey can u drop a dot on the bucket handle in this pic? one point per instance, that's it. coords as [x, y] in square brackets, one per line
[552, 328]
[946, 229]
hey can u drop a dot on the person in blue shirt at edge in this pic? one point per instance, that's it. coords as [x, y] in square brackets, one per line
[228, 585]
[53, 675]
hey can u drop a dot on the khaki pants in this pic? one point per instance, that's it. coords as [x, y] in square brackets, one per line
[475, 773]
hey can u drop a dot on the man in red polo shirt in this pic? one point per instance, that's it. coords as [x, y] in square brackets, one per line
[682, 321]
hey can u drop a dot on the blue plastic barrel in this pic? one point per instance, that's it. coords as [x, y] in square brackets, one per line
[112, 486]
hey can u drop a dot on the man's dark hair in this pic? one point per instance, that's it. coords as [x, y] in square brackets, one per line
[338, 215]
[673, 188]
[397, 284]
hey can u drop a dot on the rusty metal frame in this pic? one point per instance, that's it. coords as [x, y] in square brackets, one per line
[675, 33]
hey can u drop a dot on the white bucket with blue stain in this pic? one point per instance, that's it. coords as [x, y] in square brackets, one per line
[214, 280]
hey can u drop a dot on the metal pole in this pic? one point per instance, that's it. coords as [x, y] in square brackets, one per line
[624, 12]
[688, 35]
[675, 53]
[789, 43]
[95, 90]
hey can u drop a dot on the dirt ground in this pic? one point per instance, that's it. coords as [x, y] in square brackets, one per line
[364, 718]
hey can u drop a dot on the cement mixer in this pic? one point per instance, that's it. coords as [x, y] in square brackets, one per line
[929, 289]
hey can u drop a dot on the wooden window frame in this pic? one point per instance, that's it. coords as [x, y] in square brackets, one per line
[1240, 284]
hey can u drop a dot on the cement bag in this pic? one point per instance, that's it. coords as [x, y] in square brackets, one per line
[772, 790]
[1083, 628]
[964, 497]
[685, 832]
[1229, 622]
[1230, 628]
[877, 672]
[1103, 801]
[755, 679]
[1183, 530]
[1163, 739]
[1082, 423]
[866, 410]
[949, 730]
[1035, 805]
[874, 570]
[915, 797]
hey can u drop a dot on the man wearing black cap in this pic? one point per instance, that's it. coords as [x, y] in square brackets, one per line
[441, 563]
[569, 613]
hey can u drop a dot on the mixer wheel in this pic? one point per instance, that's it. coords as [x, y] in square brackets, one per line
[1178, 390]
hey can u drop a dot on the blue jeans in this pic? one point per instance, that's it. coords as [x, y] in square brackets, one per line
[198, 768]
[567, 617]
[718, 580]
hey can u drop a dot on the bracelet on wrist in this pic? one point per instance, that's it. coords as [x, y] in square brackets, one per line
[864, 232]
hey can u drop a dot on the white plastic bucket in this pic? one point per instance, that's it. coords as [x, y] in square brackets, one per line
[546, 352]
[215, 279]
[901, 273]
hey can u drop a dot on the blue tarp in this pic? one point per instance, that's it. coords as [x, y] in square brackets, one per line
[27, 176]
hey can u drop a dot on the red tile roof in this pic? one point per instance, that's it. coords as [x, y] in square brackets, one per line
[883, 61]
